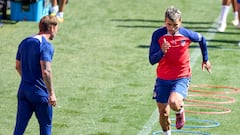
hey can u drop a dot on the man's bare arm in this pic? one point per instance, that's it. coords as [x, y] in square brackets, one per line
[18, 67]
[47, 77]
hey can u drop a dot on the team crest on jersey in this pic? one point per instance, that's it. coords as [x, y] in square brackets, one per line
[182, 42]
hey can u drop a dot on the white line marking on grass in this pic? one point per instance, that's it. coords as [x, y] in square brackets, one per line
[147, 128]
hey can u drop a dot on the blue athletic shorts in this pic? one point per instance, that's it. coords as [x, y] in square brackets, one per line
[163, 88]
[238, 1]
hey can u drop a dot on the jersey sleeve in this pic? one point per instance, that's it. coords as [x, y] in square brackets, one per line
[197, 37]
[203, 46]
[18, 55]
[47, 52]
[155, 52]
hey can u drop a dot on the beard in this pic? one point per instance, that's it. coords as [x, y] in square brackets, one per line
[52, 36]
[173, 32]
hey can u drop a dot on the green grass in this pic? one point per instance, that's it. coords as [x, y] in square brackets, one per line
[102, 77]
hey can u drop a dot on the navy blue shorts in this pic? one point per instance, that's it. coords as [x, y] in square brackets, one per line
[163, 88]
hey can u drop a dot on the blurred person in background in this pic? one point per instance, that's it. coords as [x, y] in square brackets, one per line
[57, 10]
[224, 13]
[238, 7]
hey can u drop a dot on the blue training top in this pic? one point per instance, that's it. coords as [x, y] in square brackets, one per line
[30, 51]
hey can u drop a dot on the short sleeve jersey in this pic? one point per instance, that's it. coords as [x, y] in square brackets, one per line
[30, 51]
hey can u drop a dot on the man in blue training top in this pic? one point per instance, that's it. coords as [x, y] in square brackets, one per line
[36, 92]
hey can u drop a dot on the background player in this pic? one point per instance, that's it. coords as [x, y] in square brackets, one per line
[36, 92]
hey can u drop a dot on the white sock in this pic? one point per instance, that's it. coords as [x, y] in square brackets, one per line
[167, 132]
[224, 13]
[60, 14]
[235, 15]
[54, 9]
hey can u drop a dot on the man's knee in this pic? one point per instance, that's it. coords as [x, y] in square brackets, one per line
[175, 101]
[175, 105]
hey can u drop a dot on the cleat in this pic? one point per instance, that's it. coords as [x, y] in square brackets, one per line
[238, 26]
[180, 119]
[60, 19]
[235, 22]
[53, 14]
[222, 27]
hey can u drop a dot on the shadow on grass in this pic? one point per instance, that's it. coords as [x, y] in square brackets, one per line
[137, 26]
[187, 24]
[8, 22]
[156, 21]
[198, 26]
[193, 25]
[224, 41]
[200, 29]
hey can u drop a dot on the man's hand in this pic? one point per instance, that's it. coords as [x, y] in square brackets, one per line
[52, 99]
[206, 65]
[165, 46]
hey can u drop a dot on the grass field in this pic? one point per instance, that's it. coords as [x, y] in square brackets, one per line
[102, 76]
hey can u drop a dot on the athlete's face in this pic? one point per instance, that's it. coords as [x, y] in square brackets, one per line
[172, 26]
[54, 30]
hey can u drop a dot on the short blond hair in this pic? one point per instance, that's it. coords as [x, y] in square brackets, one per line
[46, 22]
[173, 13]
